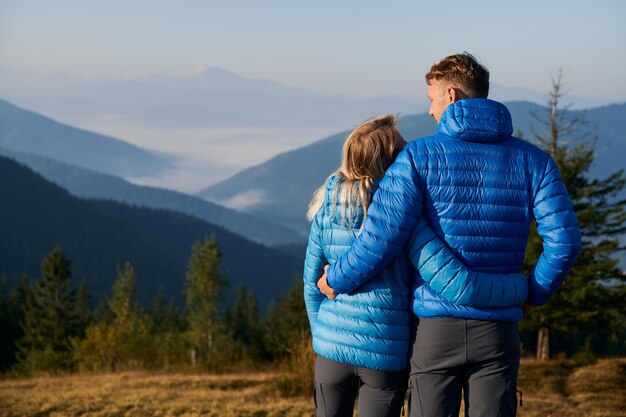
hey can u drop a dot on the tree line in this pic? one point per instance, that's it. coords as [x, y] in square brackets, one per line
[48, 326]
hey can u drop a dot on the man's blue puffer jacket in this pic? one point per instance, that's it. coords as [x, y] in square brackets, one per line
[479, 188]
[370, 326]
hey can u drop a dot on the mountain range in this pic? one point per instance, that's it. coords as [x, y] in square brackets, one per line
[37, 215]
[85, 183]
[25, 131]
[211, 124]
[269, 205]
[267, 191]
[213, 98]
[90, 165]
[214, 122]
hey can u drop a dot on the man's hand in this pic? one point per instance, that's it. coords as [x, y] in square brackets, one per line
[326, 289]
[526, 308]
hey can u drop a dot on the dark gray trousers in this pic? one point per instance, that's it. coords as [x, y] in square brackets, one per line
[453, 357]
[381, 393]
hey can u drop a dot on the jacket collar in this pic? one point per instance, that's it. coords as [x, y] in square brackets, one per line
[476, 120]
[333, 207]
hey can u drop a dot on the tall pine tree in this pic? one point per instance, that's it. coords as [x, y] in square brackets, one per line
[122, 337]
[204, 288]
[584, 296]
[122, 304]
[165, 314]
[49, 318]
[10, 332]
[84, 308]
[287, 323]
[245, 324]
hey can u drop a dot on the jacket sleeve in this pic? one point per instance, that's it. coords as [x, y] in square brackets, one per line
[558, 226]
[392, 215]
[314, 263]
[446, 275]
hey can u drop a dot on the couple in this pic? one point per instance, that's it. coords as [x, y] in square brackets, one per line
[425, 242]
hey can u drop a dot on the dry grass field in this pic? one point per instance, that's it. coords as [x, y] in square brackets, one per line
[557, 389]
[149, 394]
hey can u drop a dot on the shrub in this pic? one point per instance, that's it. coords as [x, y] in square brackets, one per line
[297, 378]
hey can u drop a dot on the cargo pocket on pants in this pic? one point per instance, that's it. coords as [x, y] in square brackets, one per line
[318, 400]
[414, 407]
[508, 402]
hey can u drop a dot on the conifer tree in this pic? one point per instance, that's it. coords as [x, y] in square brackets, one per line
[245, 324]
[103, 314]
[238, 317]
[204, 288]
[122, 304]
[122, 338]
[165, 314]
[287, 323]
[255, 328]
[13, 329]
[84, 308]
[10, 330]
[158, 309]
[168, 332]
[583, 297]
[174, 319]
[6, 341]
[50, 318]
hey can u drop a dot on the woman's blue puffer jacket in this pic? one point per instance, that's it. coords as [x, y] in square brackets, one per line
[370, 326]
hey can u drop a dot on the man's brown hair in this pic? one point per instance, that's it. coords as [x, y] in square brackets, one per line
[462, 71]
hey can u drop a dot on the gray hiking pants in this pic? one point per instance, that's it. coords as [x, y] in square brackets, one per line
[381, 393]
[453, 356]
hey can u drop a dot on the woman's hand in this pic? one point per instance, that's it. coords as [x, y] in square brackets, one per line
[326, 289]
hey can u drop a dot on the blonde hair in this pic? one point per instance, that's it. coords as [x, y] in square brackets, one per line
[464, 71]
[367, 153]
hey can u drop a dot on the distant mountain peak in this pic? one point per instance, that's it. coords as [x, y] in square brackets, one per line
[216, 71]
[220, 79]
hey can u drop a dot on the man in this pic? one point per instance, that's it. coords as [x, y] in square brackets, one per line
[479, 188]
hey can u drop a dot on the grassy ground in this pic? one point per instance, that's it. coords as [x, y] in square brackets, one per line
[553, 389]
[561, 389]
[149, 394]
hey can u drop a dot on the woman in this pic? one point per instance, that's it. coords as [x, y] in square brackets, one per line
[362, 338]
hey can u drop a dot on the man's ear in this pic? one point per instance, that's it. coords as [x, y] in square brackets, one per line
[453, 94]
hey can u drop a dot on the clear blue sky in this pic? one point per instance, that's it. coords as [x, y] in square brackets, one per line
[345, 46]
